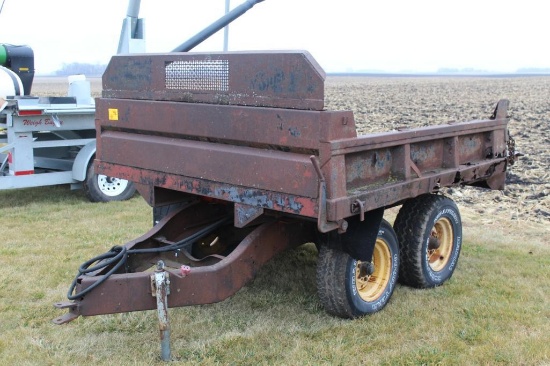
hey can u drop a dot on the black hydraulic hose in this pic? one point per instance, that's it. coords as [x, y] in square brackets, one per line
[116, 253]
[119, 255]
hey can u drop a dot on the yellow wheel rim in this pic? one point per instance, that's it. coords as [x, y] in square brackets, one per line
[371, 287]
[440, 244]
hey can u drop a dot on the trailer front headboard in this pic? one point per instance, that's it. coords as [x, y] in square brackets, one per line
[289, 79]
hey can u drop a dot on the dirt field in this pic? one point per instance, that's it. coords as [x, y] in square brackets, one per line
[385, 103]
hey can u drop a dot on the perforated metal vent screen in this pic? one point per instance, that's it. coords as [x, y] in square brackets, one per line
[198, 75]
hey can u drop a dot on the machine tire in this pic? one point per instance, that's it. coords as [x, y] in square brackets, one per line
[101, 188]
[159, 212]
[429, 230]
[344, 292]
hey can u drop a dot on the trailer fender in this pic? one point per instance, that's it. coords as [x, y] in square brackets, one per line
[361, 234]
[360, 237]
[82, 160]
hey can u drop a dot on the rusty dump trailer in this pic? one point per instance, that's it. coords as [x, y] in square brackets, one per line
[240, 160]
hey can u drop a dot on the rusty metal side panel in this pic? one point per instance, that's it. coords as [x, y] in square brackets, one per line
[427, 155]
[203, 285]
[289, 79]
[471, 148]
[411, 136]
[149, 180]
[276, 128]
[386, 195]
[384, 169]
[270, 170]
[367, 168]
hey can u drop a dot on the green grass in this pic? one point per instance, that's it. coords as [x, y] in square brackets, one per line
[493, 311]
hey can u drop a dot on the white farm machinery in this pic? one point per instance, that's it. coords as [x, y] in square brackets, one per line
[52, 140]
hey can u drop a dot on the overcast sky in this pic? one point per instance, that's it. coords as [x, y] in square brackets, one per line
[343, 35]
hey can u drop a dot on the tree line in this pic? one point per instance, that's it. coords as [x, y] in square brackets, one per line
[76, 68]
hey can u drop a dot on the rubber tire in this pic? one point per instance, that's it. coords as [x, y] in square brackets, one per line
[94, 192]
[159, 212]
[337, 280]
[413, 226]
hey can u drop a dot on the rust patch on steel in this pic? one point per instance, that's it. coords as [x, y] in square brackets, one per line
[292, 204]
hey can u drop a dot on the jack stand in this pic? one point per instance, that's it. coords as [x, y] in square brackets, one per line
[160, 285]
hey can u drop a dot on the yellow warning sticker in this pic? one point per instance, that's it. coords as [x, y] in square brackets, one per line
[113, 114]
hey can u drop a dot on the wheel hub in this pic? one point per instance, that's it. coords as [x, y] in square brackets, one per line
[111, 186]
[440, 244]
[366, 269]
[434, 243]
[372, 277]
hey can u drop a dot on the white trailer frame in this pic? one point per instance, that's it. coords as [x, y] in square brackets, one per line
[51, 140]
